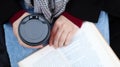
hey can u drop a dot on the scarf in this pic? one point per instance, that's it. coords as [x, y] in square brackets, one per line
[49, 8]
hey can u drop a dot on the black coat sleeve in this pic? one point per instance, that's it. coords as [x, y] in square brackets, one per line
[8, 8]
[112, 7]
[85, 9]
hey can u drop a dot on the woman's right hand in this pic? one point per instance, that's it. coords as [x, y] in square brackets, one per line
[15, 31]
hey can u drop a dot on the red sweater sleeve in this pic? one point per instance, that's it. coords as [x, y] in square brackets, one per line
[75, 20]
[16, 16]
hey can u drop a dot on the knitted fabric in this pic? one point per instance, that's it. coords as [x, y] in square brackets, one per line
[49, 8]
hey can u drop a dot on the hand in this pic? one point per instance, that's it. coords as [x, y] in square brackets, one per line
[62, 32]
[15, 31]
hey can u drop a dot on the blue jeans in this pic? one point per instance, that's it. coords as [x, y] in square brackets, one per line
[103, 25]
[17, 52]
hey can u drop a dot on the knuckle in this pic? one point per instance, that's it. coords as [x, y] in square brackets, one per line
[57, 23]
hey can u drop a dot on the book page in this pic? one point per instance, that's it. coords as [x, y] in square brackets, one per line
[87, 49]
[103, 50]
[80, 52]
[82, 55]
[47, 57]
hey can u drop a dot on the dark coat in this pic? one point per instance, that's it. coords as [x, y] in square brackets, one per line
[90, 9]
[8, 8]
[83, 9]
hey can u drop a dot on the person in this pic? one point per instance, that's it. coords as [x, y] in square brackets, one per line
[87, 10]
[22, 13]
[16, 13]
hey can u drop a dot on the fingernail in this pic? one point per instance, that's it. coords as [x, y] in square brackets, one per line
[50, 44]
[55, 46]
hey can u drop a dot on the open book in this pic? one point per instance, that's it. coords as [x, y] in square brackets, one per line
[87, 49]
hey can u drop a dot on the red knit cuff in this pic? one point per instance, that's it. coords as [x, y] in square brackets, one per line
[75, 20]
[16, 16]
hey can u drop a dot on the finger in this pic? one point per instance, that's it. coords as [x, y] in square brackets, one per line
[62, 39]
[57, 36]
[69, 37]
[53, 32]
[27, 46]
[39, 46]
[51, 39]
[71, 34]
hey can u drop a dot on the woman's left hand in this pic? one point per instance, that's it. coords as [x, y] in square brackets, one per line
[62, 32]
